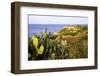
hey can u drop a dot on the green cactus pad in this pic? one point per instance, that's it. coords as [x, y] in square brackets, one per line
[40, 50]
[35, 41]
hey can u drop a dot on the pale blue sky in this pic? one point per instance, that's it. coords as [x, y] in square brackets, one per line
[39, 19]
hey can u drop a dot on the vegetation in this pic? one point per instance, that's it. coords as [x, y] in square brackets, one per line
[71, 42]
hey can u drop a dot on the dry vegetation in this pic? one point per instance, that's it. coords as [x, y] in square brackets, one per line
[71, 42]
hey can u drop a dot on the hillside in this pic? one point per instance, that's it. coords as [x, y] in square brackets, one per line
[72, 30]
[77, 40]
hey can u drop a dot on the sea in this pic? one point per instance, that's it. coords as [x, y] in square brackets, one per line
[36, 28]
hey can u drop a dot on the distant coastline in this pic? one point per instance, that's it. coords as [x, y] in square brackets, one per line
[36, 28]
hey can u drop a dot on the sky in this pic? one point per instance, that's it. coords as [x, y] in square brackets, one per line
[42, 19]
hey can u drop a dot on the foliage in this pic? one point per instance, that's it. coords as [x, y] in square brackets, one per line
[73, 30]
[71, 43]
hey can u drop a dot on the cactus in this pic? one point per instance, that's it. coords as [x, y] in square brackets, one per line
[35, 43]
[49, 46]
[40, 50]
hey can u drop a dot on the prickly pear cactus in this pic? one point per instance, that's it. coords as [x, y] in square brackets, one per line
[40, 50]
[35, 43]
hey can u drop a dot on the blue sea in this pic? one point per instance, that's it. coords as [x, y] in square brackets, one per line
[36, 28]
